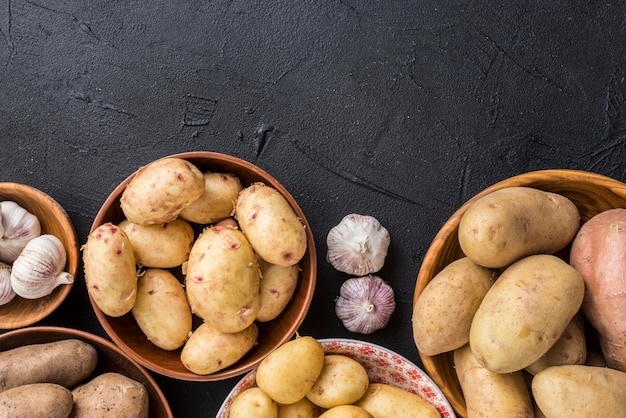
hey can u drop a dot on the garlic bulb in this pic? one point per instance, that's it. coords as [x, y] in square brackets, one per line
[6, 291]
[17, 227]
[39, 268]
[358, 245]
[365, 304]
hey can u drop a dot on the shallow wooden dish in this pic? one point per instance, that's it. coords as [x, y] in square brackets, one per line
[124, 330]
[592, 193]
[110, 359]
[54, 220]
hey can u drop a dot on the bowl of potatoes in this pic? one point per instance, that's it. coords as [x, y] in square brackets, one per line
[59, 372]
[513, 296]
[199, 265]
[340, 377]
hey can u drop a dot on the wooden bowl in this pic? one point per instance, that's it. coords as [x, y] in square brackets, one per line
[54, 220]
[592, 194]
[124, 330]
[110, 359]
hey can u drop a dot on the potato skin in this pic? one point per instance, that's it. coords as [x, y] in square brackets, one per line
[271, 225]
[36, 400]
[579, 390]
[223, 280]
[217, 202]
[110, 269]
[383, 400]
[443, 313]
[515, 222]
[304, 408]
[346, 411]
[342, 381]
[253, 402]
[278, 283]
[525, 312]
[111, 394]
[161, 309]
[64, 362]
[599, 254]
[160, 190]
[160, 245]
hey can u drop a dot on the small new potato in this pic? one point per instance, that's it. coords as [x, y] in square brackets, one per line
[217, 202]
[209, 350]
[515, 222]
[271, 225]
[253, 402]
[110, 269]
[161, 309]
[288, 373]
[160, 245]
[383, 400]
[36, 400]
[304, 408]
[346, 411]
[342, 381]
[160, 190]
[278, 283]
[111, 395]
[443, 313]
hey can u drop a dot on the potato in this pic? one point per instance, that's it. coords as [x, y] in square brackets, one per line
[489, 394]
[271, 225]
[346, 411]
[304, 408]
[64, 362]
[161, 309]
[253, 402]
[288, 373]
[160, 245]
[110, 270]
[525, 312]
[599, 253]
[278, 283]
[216, 202]
[223, 280]
[383, 400]
[160, 190]
[36, 400]
[111, 394]
[342, 381]
[443, 313]
[580, 391]
[209, 350]
[514, 222]
[570, 348]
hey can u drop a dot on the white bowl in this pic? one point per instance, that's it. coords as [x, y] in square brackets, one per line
[382, 365]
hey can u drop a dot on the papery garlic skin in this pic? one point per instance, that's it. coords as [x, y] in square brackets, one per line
[39, 268]
[18, 226]
[6, 290]
[358, 245]
[365, 304]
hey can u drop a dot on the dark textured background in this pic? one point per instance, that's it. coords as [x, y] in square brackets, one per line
[397, 109]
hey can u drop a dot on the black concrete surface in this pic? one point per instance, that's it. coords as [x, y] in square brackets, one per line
[397, 109]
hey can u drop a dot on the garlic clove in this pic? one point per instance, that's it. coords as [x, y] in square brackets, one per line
[39, 268]
[365, 304]
[6, 291]
[18, 227]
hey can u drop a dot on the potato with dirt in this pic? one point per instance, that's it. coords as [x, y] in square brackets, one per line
[36, 400]
[111, 394]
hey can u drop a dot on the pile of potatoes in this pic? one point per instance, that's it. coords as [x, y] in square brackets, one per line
[59, 380]
[237, 248]
[299, 380]
[516, 311]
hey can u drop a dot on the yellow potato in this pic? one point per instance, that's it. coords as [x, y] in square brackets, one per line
[111, 394]
[216, 202]
[580, 391]
[253, 402]
[525, 312]
[160, 245]
[278, 283]
[271, 225]
[304, 408]
[443, 313]
[342, 381]
[36, 400]
[223, 280]
[383, 400]
[489, 394]
[288, 373]
[514, 222]
[160, 190]
[346, 411]
[209, 350]
[110, 270]
[161, 309]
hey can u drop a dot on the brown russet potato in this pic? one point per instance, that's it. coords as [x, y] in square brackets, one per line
[111, 394]
[36, 400]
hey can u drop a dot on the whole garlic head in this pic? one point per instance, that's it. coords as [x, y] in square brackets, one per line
[358, 245]
[365, 304]
[17, 227]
